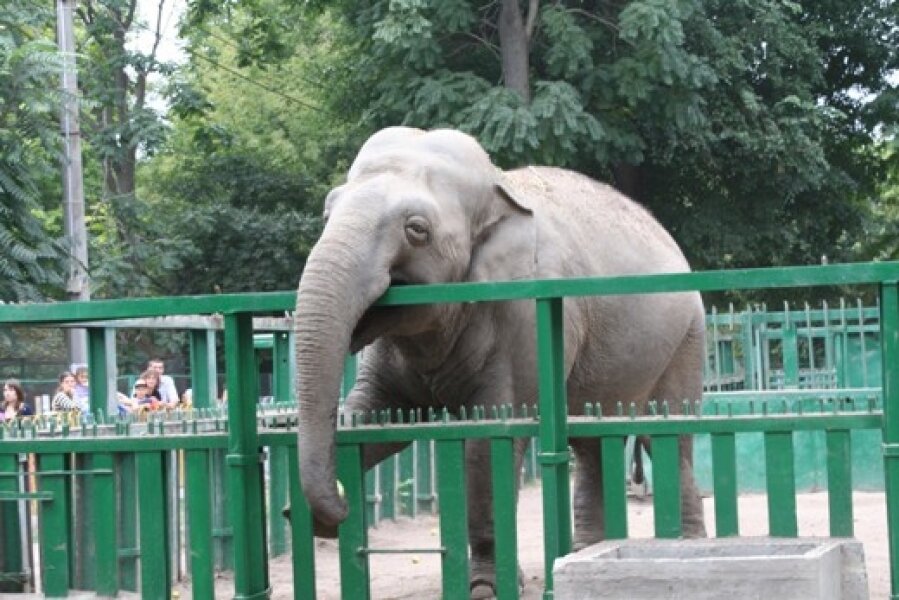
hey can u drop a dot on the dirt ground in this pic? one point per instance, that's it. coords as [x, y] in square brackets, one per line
[401, 576]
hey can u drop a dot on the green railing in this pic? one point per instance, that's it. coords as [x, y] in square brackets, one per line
[243, 440]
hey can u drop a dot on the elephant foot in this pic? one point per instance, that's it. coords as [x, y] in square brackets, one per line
[319, 529]
[694, 530]
[482, 588]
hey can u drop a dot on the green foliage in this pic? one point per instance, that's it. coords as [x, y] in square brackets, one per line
[745, 126]
[31, 262]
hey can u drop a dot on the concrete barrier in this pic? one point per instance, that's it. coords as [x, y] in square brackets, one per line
[744, 568]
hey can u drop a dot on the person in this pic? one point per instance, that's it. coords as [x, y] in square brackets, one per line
[81, 392]
[14, 405]
[151, 378]
[141, 399]
[168, 393]
[64, 400]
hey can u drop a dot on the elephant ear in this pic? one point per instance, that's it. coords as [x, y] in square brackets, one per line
[504, 246]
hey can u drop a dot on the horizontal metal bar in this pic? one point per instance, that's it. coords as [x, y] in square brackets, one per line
[128, 553]
[891, 450]
[402, 550]
[16, 496]
[58, 473]
[517, 428]
[553, 458]
[278, 302]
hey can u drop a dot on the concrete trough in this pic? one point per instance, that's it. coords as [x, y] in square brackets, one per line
[731, 568]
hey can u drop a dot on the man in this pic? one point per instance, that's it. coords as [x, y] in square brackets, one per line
[167, 388]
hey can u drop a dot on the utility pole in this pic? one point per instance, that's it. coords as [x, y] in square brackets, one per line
[72, 182]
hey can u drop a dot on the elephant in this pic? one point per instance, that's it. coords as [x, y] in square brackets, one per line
[424, 207]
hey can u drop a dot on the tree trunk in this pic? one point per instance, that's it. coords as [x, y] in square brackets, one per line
[629, 180]
[514, 41]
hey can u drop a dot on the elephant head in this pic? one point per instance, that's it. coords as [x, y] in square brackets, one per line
[417, 207]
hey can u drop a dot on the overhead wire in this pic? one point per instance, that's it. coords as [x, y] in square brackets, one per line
[193, 52]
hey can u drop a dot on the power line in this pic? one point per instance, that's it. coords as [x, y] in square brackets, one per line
[234, 72]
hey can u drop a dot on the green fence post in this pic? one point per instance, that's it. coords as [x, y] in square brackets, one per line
[839, 482]
[781, 482]
[789, 345]
[202, 368]
[11, 542]
[666, 498]
[453, 517]
[614, 486]
[388, 488]
[278, 481]
[502, 465]
[103, 498]
[889, 319]
[407, 488]
[278, 484]
[244, 481]
[302, 540]
[349, 375]
[724, 472]
[154, 543]
[126, 492]
[54, 528]
[554, 454]
[354, 579]
[199, 499]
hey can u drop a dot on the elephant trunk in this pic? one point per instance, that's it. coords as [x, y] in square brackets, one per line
[328, 307]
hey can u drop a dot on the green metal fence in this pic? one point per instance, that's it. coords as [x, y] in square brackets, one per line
[87, 457]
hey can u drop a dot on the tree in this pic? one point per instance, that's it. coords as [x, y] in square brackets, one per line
[741, 125]
[31, 264]
[248, 163]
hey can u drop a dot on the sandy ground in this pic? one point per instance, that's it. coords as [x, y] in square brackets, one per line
[401, 576]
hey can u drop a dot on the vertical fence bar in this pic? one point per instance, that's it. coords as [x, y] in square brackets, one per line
[199, 500]
[889, 319]
[502, 466]
[281, 367]
[839, 482]
[451, 490]
[614, 487]
[104, 524]
[126, 492]
[406, 484]
[724, 474]
[302, 542]
[554, 454]
[244, 480]
[354, 579]
[10, 517]
[789, 345]
[202, 367]
[154, 562]
[666, 498]
[388, 488]
[781, 483]
[278, 483]
[54, 527]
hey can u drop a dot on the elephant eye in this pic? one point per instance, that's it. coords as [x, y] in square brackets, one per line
[418, 231]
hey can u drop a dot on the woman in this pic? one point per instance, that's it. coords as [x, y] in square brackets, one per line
[14, 401]
[64, 400]
[82, 391]
[151, 378]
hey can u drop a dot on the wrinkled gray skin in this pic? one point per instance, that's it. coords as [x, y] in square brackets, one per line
[426, 207]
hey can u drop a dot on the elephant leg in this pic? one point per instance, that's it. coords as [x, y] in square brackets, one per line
[481, 534]
[589, 514]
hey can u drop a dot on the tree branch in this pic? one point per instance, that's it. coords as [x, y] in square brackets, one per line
[130, 18]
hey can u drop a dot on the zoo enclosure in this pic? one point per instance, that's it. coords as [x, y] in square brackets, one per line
[243, 440]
